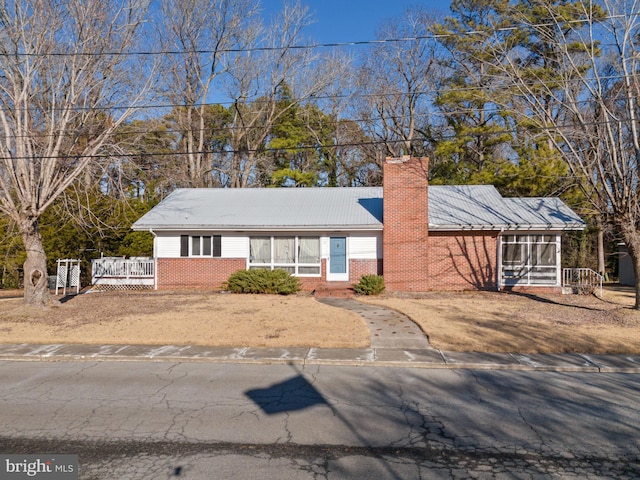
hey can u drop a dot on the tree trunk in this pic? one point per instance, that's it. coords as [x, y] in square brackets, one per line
[631, 239]
[36, 280]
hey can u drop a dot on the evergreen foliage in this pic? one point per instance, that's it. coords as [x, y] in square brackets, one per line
[278, 282]
[370, 285]
[101, 226]
[12, 254]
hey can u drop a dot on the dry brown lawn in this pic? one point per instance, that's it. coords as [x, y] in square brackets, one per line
[455, 321]
[210, 319]
[510, 322]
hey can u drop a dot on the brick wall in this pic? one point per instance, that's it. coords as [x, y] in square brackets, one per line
[359, 267]
[203, 273]
[406, 224]
[200, 273]
[463, 261]
[311, 283]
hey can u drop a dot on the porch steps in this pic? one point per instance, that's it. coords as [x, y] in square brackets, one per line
[334, 290]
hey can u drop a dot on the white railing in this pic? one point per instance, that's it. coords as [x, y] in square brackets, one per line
[582, 281]
[123, 271]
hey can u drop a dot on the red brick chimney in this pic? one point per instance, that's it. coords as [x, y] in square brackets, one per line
[406, 224]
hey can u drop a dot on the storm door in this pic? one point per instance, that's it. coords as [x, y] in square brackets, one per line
[338, 264]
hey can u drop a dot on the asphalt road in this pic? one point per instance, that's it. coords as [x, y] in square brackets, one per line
[148, 420]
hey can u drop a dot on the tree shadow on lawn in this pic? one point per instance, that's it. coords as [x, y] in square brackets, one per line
[496, 336]
[544, 299]
[548, 327]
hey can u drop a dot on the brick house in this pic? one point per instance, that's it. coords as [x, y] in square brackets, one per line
[418, 237]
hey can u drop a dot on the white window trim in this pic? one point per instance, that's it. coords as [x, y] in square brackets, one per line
[339, 277]
[201, 236]
[296, 265]
[528, 267]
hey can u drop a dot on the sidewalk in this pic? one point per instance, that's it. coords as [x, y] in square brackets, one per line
[373, 357]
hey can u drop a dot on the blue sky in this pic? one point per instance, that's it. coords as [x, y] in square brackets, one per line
[339, 21]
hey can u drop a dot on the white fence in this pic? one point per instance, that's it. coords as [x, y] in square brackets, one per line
[68, 276]
[582, 281]
[123, 272]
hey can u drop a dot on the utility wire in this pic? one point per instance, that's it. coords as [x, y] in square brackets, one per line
[227, 151]
[157, 130]
[434, 113]
[434, 36]
[293, 101]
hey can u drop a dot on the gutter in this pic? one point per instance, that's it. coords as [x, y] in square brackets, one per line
[253, 228]
[499, 260]
[502, 228]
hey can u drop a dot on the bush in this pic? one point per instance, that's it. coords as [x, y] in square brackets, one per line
[276, 281]
[370, 285]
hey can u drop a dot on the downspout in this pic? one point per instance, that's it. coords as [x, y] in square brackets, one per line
[155, 260]
[499, 261]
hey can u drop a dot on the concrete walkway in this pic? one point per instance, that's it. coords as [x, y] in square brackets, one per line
[389, 328]
[396, 341]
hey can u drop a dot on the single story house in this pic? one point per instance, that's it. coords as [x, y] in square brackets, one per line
[419, 237]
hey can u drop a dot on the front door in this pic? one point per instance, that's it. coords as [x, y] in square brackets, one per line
[338, 264]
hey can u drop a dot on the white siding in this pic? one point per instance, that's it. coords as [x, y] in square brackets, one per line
[235, 246]
[360, 246]
[167, 246]
[365, 247]
[324, 247]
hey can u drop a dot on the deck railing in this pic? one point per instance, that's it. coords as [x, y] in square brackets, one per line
[123, 271]
[582, 281]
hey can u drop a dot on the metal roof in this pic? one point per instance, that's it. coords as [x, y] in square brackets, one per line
[456, 207]
[267, 208]
[481, 207]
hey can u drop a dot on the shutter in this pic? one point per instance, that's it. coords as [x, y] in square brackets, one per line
[217, 245]
[184, 245]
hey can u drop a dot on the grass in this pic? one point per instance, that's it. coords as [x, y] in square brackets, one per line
[454, 321]
[508, 322]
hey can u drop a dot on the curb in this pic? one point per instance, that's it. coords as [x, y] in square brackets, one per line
[365, 357]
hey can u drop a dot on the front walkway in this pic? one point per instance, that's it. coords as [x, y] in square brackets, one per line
[389, 328]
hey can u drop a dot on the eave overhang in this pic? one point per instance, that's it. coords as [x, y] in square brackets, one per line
[253, 228]
[507, 227]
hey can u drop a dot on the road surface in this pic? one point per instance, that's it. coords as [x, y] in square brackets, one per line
[155, 420]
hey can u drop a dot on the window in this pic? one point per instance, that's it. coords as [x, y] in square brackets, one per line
[260, 250]
[530, 260]
[200, 245]
[297, 255]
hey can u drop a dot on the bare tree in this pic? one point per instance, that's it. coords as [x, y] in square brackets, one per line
[396, 84]
[267, 81]
[346, 161]
[65, 87]
[198, 36]
[593, 120]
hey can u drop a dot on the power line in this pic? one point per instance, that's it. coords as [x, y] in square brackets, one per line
[294, 148]
[153, 131]
[434, 112]
[312, 46]
[293, 101]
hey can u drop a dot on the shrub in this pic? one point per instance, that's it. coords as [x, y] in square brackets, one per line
[276, 281]
[370, 285]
